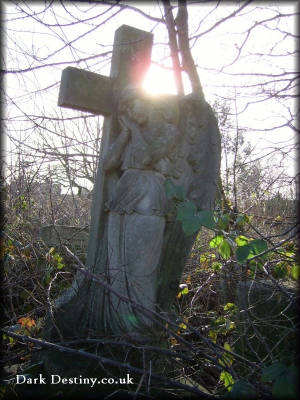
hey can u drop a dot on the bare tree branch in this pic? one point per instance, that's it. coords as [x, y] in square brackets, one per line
[170, 24]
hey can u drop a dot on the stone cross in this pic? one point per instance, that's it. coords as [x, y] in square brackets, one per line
[184, 146]
[90, 92]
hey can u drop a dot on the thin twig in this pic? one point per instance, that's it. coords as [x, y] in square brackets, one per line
[127, 344]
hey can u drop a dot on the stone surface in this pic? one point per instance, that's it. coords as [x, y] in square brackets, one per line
[267, 315]
[80, 90]
[56, 235]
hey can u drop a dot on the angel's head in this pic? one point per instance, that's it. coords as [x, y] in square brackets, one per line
[133, 104]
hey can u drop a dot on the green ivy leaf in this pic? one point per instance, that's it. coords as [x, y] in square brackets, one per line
[258, 246]
[216, 266]
[190, 225]
[206, 218]
[225, 249]
[230, 307]
[132, 319]
[227, 380]
[173, 191]
[295, 272]
[250, 250]
[193, 220]
[281, 270]
[241, 240]
[241, 219]
[60, 265]
[47, 277]
[186, 210]
[273, 372]
[286, 385]
[58, 260]
[242, 253]
[216, 241]
[222, 246]
[242, 390]
[185, 291]
[203, 258]
[223, 221]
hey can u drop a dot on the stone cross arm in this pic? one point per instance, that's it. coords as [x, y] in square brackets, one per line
[86, 91]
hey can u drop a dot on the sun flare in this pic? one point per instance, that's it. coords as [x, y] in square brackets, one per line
[159, 80]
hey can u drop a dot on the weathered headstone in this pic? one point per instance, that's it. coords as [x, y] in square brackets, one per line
[267, 312]
[146, 141]
[273, 312]
[59, 235]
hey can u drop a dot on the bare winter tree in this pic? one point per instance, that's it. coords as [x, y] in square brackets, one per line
[34, 57]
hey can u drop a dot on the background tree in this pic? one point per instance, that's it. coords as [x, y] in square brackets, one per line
[55, 43]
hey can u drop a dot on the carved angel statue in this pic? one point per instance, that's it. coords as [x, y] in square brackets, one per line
[137, 210]
[141, 250]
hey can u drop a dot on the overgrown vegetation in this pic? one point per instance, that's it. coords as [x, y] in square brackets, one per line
[237, 306]
[254, 277]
